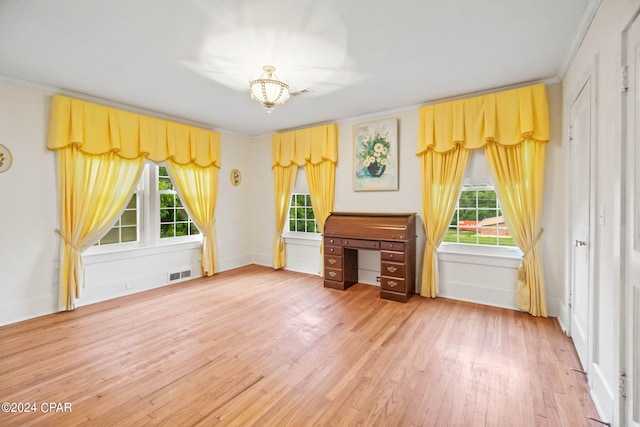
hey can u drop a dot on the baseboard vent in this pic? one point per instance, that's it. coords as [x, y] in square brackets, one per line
[179, 275]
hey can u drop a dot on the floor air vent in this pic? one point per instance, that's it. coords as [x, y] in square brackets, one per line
[179, 275]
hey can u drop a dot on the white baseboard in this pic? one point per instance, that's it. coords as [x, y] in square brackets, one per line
[231, 263]
[369, 277]
[602, 394]
[261, 259]
[563, 316]
[27, 309]
[133, 285]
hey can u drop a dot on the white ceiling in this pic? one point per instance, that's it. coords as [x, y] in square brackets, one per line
[192, 59]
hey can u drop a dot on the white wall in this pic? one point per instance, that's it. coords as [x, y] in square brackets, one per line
[600, 53]
[28, 207]
[29, 216]
[484, 280]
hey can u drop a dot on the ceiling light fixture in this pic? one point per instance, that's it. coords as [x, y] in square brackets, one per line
[268, 90]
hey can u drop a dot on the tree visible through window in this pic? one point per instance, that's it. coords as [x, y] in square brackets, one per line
[478, 219]
[174, 220]
[301, 218]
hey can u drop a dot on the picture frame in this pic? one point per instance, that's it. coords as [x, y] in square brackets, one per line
[375, 155]
[5, 158]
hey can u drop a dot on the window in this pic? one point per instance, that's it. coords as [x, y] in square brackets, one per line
[151, 216]
[477, 218]
[174, 220]
[126, 228]
[301, 218]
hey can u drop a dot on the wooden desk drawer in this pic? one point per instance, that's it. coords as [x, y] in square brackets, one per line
[334, 274]
[392, 246]
[332, 241]
[333, 261]
[333, 250]
[392, 256]
[392, 269]
[360, 244]
[393, 284]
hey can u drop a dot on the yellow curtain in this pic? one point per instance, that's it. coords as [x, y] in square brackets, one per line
[322, 182]
[93, 191]
[198, 187]
[519, 177]
[504, 119]
[316, 149]
[101, 151]
[442, 177]
[283, 179]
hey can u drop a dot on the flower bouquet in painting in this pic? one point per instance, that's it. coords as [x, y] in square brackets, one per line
[375, 153]
[375, 149]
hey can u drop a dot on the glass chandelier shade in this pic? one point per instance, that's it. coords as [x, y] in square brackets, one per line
[268, 90]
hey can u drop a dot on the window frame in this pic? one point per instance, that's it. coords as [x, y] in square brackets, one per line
[158, 193]
[148, 198]
[303, 238]
[306, 207]
[478, 249]
[139, 193]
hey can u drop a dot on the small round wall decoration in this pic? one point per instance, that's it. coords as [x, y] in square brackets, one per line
[5, 158]
[235, 177]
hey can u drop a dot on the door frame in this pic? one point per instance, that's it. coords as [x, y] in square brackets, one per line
[623, 327]
[590, 76]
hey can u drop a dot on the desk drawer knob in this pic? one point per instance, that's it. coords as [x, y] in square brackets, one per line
[392, 283]
[391, 256]
[346, 242]
[332, 261]
[332, 273]
[392, 269]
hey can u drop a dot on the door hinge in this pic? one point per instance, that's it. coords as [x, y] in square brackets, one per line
[570, 133]
[622, 385]
[624, 79]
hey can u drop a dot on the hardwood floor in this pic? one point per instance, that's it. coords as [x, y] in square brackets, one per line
[254, 346]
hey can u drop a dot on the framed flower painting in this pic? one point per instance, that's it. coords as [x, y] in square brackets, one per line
[376, 155]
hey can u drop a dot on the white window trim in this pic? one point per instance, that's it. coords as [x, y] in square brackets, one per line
[149, 242]
[304, 239]
[479, 184]
[300, 237]
[503, 256]
[155, 219]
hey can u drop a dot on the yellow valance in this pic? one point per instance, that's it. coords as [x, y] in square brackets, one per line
[97, 129]
[311, 145]
[507, 118]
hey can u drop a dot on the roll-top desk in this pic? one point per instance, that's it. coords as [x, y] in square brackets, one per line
[393, 234]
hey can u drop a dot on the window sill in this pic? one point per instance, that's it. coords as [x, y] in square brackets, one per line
[304, 239]
[96, 257]
[482, 255]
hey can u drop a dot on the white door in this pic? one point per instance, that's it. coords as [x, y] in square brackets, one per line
[631, 237]
[580, 116]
